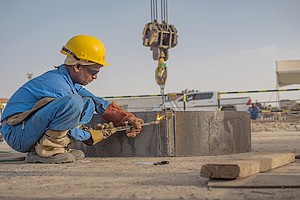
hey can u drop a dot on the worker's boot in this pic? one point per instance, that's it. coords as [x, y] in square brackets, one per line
[78, 154]
[33, 157]
[52, 148]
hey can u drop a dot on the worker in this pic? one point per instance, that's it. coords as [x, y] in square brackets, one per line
[48, 112]
[254, 111]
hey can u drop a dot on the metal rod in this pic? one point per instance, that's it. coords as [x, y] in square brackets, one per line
[167, 11]
[125, 128]
[163, 162]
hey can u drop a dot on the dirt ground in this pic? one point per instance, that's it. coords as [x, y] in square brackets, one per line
[122, 178]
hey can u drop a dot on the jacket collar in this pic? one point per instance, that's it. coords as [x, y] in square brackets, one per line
[64, 72]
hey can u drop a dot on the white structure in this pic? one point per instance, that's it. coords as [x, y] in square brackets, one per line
[288, 72]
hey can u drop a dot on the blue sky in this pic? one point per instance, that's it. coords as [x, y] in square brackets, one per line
[223, 45]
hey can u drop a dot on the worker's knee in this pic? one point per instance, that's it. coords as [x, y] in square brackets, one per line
[74, 98]
[87, 101]
[80, 106]
[70, 106]
[74, 101]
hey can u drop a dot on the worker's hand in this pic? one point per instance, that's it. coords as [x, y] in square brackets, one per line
[106, 129]
[136, 123]
[101, 132]
[120, 117]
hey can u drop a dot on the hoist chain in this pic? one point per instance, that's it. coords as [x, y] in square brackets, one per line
[160, 37]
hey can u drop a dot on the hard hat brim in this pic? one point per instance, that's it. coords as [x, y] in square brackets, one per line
[104, 63]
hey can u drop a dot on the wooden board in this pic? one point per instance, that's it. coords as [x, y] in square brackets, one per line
[259, 181]
[245, 164]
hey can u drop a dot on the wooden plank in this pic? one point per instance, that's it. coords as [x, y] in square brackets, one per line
[259, 181]
[245, 164]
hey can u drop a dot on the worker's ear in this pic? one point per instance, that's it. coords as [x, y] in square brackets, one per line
[77, 67]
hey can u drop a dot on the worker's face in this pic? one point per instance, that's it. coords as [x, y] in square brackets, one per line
[87, 73]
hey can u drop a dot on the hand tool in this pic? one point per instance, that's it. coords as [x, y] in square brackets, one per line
[163, 162]
[127, 127]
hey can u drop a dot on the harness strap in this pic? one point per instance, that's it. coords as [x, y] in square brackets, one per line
[20, 117]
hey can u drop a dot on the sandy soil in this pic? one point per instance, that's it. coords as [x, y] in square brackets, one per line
[275, 126]
[121, 178]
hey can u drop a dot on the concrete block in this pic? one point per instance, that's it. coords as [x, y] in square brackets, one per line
[212, 133]
[180, 134]
[149, 143]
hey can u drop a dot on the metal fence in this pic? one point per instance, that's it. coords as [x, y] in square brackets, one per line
[139, 103]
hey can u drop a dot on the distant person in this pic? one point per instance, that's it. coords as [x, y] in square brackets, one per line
[254, 111]
[49, 111]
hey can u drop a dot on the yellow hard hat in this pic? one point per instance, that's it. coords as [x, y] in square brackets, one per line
[87, 48]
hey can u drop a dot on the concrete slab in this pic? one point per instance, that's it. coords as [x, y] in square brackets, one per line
[150, 143]
[179, 134]
[259, 181]
[212, 133]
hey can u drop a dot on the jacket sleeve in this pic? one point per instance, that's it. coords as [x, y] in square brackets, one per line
[100, 103]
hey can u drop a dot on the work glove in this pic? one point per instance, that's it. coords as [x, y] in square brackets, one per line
[121, 117]
[137, 126]
[101, 132]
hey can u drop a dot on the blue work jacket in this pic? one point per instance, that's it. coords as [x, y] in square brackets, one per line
[55, 83]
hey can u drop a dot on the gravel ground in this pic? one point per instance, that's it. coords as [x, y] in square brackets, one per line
[121, 178]
[275, 126]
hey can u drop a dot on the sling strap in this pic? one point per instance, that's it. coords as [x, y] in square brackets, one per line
[20, 117]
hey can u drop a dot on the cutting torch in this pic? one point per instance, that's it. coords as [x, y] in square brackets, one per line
[127, 127]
